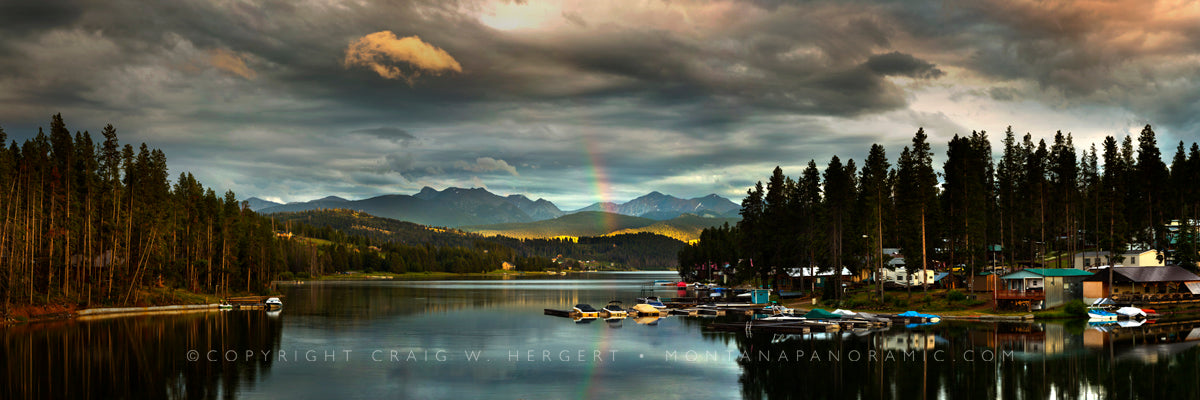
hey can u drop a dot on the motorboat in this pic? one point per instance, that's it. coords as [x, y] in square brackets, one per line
[614, 310]
[783, 318]
[1132, 312]
[779, 310]
[1099, 314]
[653, 301]
[932, 318]
[273, 303]
[586, 311]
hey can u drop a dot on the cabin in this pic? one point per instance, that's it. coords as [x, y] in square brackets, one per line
[1137, 258]
[1041, 288]
[1142, 284]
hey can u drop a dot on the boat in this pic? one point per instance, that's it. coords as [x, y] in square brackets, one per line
[645, 309]
[273, 303]
[225, 307]
[614, 310]
[821, 314]
[783, 318]
[1131, 312]
[909, 314]
[779, 310]
[586, 311]
[1098, 314]
[663, 282]
[653, 301]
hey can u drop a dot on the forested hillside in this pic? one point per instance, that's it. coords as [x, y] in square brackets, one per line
[641, 250]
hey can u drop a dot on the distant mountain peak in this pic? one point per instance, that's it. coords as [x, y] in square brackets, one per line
[259, 204]
[332, 198]
[427, 193]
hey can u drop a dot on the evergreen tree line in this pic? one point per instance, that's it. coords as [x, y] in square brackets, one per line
[91, 222]
[1037, 205]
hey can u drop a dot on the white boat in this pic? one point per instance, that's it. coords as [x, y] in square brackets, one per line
[273, 303]
[1132, 312]
[779, 310]
[783, 318]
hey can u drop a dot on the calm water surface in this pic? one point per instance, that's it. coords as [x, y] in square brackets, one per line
[476, 338]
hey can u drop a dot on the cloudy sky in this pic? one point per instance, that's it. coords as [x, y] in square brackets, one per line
[579, 101]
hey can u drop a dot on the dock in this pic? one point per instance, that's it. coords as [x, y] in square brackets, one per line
[777, 326]
[250, 302]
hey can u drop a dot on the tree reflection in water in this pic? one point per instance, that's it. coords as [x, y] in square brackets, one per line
[138, 357]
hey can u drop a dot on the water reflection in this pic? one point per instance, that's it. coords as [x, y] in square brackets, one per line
[412, 339]
[972, 360]
[137, 357]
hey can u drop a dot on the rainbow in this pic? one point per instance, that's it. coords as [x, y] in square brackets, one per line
[602, 186]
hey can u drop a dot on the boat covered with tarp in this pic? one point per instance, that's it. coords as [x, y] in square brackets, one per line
[818, 313]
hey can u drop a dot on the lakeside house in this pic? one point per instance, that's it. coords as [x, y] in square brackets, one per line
[1142, 284]
[1041, 288]
[1136, 258]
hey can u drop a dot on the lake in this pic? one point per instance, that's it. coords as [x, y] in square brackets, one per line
[488, 338]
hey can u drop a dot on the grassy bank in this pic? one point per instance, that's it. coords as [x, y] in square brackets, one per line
[936, 301]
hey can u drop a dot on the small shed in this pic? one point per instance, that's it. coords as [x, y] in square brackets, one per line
[984, 282]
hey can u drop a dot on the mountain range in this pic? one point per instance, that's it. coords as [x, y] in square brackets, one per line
[685, 228]
[456, 207]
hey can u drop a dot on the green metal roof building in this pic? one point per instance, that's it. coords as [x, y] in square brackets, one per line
[1042, 288]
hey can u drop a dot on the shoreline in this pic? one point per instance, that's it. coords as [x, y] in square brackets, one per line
[188, 302]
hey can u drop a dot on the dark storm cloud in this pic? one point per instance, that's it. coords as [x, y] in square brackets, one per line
[23, 17]
[897, 63]
[387, 132]
[660, 93]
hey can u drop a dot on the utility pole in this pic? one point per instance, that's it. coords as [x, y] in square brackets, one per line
[924, 273]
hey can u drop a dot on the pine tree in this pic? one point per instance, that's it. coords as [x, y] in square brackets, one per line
[875, 192]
